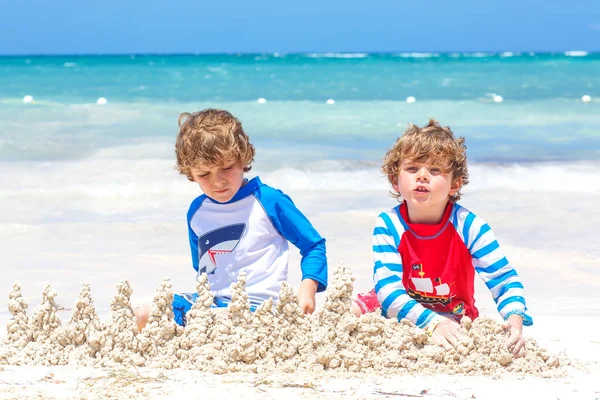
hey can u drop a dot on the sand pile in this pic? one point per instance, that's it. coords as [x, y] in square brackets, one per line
[273, 338]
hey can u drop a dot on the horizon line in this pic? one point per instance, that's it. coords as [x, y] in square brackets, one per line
[521, 52]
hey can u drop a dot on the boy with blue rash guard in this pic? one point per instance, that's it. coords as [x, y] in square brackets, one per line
[239, 225]
[427, 249]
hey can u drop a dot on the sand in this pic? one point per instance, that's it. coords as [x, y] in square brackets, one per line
[558, 263]
[275, 347]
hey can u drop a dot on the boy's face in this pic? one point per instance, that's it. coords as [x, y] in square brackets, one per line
[425, 185]
[220, 183]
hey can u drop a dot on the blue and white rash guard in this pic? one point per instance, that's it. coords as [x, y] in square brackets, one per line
[250, 234]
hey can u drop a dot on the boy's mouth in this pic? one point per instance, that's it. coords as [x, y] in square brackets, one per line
[421, 189]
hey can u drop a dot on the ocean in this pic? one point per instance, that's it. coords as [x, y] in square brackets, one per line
[89, 191]
[541, 117]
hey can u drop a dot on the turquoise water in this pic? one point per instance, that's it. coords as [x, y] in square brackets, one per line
[541, 118]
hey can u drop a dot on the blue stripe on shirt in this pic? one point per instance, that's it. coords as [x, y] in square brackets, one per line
[385, 281]
[381, 231]
[424, 318]
[391, 298]
[386, 248]
[508, 286]
[511, 299]
[406, 309]
[391, 229]
[467, 226]
[391, 266]
[486, 250]
[496, 281]
[404, 225]
[494, 267]
[482, 231]
[455, 216]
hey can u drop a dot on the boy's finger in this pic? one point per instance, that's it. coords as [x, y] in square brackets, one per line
[448, 345]
[519, 349]
[459, 336]
[452, 339]
[443, 342]
[511, 341]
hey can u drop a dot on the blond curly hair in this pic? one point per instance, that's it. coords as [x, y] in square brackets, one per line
[211, 138]
[432, 143]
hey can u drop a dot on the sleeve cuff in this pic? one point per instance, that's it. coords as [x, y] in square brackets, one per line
[527, 320]
[321, 285]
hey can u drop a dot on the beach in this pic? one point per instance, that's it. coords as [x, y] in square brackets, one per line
[90, 194]
[558, 266]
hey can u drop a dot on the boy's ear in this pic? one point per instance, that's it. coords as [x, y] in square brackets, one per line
[394, 183]
[455, 186]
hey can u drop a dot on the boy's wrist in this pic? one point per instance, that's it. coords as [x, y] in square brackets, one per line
[515, 320]
[525, 319]
[309, 284]
[430, 327]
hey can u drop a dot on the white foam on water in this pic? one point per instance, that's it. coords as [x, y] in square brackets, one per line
[418, 55]
[576, 53]
[103, 188]
[477, 55]
[337, 55]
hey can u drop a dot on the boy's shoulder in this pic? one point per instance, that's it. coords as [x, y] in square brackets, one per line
[462, 215]
[267, 193]
[255, 188]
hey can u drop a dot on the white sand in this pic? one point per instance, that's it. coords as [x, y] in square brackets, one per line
[558, 263]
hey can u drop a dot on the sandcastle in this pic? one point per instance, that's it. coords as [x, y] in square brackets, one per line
[273, 338]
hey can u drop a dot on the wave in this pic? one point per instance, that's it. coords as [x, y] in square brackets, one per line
[336, 55]
[418, 55]
[133, 178]
[576, 53]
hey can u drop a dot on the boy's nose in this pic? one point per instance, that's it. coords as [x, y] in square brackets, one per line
[219, 180]
[423, 174]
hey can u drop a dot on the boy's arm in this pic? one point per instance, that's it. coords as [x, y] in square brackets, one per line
[306, 295]
[496, 271]
[193, 238]
[387, 275]
[297, 229]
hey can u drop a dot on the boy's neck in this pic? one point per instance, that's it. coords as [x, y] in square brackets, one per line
[428, 215]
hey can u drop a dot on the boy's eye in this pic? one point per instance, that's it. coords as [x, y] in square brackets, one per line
[204, 175]
[225, 168]
[411, 169]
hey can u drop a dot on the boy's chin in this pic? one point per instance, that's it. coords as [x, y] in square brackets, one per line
[222, 197]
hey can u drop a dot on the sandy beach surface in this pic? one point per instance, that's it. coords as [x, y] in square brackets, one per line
[558, 262]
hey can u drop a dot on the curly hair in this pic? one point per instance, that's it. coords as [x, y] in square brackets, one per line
[432, 143]
[211, 137]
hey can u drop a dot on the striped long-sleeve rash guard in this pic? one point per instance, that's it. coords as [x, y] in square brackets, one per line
[422, 269]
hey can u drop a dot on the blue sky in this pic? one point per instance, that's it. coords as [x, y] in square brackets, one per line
[153, 26]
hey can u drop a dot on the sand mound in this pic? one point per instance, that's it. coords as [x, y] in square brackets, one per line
[271, 339]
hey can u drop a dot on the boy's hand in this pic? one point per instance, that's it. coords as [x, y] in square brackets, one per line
[447, 333]
[306, 295]
[515, 342]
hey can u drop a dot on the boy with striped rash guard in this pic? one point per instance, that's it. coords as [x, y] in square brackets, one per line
[239, 225]
[427, 249]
